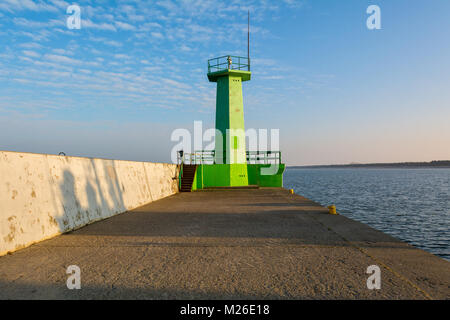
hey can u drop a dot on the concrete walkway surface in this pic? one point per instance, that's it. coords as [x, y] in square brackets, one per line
[225, 244]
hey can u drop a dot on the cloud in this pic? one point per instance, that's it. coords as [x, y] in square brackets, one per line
[31, 53]
[149, 26]
[103, 40]
[19, 5]
[271, 77]
[37, 24]
[294, 3]
[157, 35]
[167, 34]
[62, 51]
[87, 23]
[61, 59]
[113, 43]
[176, 84]
[136, 18]
[124, 26]
[185, 48]
[168, 5]
[60, 4]
[37, 36]
[121, 56]
[30, 45]
[107, 16]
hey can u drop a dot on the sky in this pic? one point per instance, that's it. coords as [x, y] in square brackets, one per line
[136, 71]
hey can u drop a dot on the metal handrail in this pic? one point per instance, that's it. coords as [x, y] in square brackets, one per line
[235, 64]
[209, 157]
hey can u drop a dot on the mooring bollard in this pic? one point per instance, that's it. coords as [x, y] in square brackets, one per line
[332, 209]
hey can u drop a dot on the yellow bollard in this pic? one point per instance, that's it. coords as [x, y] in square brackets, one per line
[291, 191]
[332, 209]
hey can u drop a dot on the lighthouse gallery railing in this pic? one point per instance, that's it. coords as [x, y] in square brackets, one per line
[228, 62]
[209, 157]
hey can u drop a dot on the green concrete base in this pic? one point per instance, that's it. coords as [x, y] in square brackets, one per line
[264, 175]
[238, 175]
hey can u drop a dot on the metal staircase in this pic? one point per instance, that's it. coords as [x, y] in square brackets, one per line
[187, 177]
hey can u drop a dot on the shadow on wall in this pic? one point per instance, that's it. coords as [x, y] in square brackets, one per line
[42, 196]
[86, 199]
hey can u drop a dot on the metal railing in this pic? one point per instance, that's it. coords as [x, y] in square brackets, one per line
[198, 157]
[228, 63]
[265, 157]
[209, 157]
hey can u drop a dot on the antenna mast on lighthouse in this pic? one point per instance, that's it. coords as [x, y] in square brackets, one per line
[248, 41]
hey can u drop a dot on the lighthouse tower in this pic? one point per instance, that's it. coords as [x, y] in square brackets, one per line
[229, 72]
[230, 165]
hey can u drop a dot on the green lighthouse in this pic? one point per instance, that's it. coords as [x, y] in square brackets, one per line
[230, 164]
[229, 72]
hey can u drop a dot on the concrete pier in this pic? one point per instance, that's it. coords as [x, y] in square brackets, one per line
[225, 244]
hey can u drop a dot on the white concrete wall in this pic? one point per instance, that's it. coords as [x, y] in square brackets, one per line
[42, 196]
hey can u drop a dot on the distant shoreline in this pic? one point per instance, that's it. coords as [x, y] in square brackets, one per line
[399, 165]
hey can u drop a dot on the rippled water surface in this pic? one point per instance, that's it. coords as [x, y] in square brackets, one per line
[410, 204]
